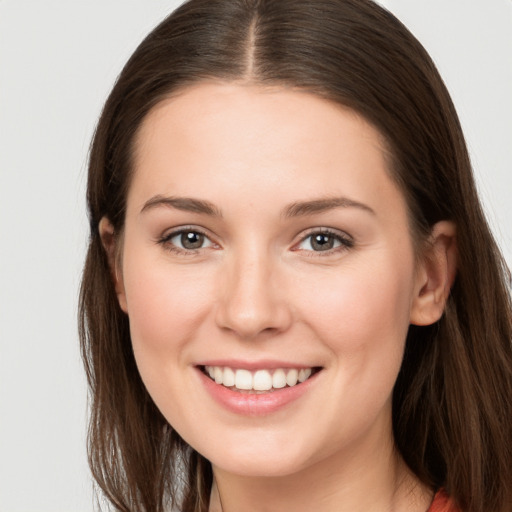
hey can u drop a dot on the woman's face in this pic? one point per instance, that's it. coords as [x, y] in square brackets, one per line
[264, 242]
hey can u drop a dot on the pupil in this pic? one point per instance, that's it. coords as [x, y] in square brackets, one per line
[322, 242]
[192, 240]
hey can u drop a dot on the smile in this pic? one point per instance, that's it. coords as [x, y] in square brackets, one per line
[251, 389]
[263, 380]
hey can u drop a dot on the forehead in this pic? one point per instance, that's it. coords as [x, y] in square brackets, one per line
[256, 142]
[224, 106]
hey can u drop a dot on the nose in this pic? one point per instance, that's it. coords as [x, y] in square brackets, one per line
[252, 299]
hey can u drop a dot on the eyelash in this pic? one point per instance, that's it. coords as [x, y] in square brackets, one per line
[345, 241]
[166, 240]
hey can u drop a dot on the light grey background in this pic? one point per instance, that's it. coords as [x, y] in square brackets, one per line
[58, 60]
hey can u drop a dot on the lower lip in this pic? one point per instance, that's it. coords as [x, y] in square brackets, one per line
[250, 404]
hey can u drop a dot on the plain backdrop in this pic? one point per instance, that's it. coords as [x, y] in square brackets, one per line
[58, 61]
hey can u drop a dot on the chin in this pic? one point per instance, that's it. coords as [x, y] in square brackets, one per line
[257, 469]
[255, 461]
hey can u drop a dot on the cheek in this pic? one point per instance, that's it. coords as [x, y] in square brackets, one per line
[165, 304]
[363, 312]
[362, 316]
[166, 307]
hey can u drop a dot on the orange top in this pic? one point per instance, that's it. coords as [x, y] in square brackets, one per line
[442, 503]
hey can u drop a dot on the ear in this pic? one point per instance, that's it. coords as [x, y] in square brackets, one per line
[110, 244]
[435, 275]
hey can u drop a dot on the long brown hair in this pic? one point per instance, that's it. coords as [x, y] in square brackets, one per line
[452, 402]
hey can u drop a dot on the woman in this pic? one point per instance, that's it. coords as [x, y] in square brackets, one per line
[291, 298]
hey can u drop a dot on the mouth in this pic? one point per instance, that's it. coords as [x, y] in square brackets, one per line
[258, 381]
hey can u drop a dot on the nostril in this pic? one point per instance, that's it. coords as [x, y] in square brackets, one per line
[250, 301]
[252, 320]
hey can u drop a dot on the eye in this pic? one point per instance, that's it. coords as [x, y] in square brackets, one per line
[190, 240]
[325, 240]
[185, 239]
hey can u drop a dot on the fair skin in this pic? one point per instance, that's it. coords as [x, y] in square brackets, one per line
[264, 234]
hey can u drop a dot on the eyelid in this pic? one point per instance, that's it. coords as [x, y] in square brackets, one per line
[178, 230]
[346, 241]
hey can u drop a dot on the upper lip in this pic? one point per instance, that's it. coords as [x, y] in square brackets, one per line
[267, 364]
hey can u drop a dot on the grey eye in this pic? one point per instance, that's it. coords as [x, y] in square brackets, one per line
[190, 240]
[325, 241]
[320, 242]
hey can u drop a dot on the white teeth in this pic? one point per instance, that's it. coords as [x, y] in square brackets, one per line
[260, 380]
[304, 374]
[229, 377]
[243, 379]
[291, 377]
[279, 379]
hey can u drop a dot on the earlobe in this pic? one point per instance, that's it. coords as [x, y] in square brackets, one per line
[435, 275]
[110, 245]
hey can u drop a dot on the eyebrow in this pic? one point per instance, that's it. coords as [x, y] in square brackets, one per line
[296, 209]
[323, 204]
[186, 204]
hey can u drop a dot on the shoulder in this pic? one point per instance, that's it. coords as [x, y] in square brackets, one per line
[442, 503]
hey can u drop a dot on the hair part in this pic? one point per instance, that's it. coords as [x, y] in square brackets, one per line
[452, 402]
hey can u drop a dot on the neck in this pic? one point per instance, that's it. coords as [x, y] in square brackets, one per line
[373, 478]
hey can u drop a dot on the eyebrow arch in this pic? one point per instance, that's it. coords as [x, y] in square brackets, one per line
[187, 204]
[321, 205]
